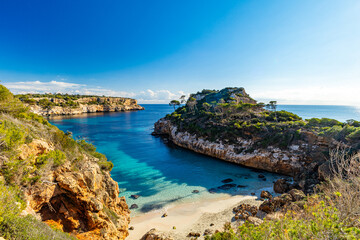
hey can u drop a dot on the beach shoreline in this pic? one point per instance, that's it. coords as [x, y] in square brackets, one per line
[189, 217]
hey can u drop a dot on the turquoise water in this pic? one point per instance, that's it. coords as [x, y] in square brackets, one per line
[162, 174]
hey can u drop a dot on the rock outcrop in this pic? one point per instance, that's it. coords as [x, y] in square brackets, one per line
[84, 202]
[290, 161]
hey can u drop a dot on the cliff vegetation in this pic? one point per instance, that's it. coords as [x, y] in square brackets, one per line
[47, 176]
[231, 112]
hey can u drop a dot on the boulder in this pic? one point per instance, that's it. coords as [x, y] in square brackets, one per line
[297, 195]
[283, 200]
[275, 216]
[265, 194]
[281, 186]
[324, 171]
[261, 176]
[267, 207]
[154, 234]
[254, 220]
[207, 232]
[195, 191]
[193, 234]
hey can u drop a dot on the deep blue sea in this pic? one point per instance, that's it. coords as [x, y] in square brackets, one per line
[163, 174]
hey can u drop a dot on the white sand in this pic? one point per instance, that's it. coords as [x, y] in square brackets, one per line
[189, 217]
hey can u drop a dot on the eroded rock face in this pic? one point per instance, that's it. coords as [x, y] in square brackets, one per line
[290, 161]
[83, 202]
[89, 105]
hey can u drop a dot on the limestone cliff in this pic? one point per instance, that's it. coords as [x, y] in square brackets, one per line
[290, 161]
[61, 181]
[47, 106]
[84, 202]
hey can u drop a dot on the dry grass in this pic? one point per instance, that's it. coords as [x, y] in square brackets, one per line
[345, 182]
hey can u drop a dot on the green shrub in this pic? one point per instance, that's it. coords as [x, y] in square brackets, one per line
[91, 149]
[57, 157]
[11, 135]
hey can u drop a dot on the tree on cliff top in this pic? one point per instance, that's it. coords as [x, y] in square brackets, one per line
[272, 105]
[174, 103]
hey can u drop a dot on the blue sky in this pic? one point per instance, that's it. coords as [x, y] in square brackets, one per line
[296, 52]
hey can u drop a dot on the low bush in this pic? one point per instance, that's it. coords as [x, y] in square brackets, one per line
[56, 157]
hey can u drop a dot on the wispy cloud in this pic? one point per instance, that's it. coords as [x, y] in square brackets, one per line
[146, 96]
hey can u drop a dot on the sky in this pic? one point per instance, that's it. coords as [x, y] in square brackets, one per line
[295, 52]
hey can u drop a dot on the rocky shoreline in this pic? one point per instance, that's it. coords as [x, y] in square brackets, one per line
[300, 160]
[288, 162]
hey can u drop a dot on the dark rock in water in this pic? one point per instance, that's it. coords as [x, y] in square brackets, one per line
[212, 190]
[134, 206]
[228, 180]
[264, 179]
[135, 196]
[246, 178]
[131, 228]
[281, 186]
[261, 176]
[241, 186]
[265, 194]
[227, 186]
[253, 194]
[195, 191]
[164, 215]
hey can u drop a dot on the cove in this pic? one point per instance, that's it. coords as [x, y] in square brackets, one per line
[162, 174]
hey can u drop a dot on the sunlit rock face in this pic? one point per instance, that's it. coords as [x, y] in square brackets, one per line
[290, 161]
[88, 105]
[83, 201]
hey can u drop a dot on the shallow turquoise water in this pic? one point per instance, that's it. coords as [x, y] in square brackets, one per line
[163, 174]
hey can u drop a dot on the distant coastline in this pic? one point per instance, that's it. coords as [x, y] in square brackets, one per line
[60, 104]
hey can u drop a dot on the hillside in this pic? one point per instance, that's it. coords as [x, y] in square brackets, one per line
[64, 104]
[46, 175]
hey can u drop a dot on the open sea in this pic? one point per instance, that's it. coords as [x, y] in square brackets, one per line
[162, 174]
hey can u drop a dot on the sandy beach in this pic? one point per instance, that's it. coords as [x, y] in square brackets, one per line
[189, 217]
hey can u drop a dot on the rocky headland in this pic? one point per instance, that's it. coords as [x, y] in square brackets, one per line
[231, 126]
[58, 104]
